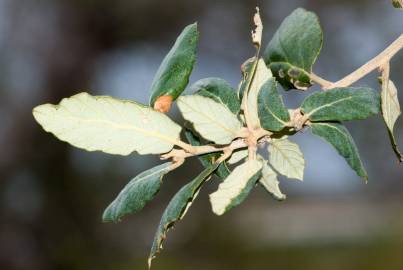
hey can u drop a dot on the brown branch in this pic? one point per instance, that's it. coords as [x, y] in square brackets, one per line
[322, 82]
[204, 149]
[247, 138]
[371, 65]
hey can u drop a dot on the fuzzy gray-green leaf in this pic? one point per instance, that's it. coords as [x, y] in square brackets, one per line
[273, 114]
[136, 193]
[342, 104]
[177, 208]
[338, 136]
[219, 90]
[294, 48]
[172, 76]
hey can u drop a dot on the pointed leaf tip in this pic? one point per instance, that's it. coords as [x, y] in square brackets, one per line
[390, 109]
[339, 137]
[269, 181]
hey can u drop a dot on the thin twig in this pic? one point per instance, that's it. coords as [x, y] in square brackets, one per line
[322, 82]
[204, 149]
[371, 65]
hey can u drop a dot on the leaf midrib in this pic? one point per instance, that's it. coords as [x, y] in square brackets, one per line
[333, 127]
[273, 114]
[327, 105]
[208, 117]
[122, 126]
[282, 153]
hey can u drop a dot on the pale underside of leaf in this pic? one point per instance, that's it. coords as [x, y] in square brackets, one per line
[236, 183]
[238, 156]
[391, 111]
[137, 193]
[262, 74]
[110, 125]
[257, 33]
[287, 158]
[390, 104]
[270, 182]
[212, 120]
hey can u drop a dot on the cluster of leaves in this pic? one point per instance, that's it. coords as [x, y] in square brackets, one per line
[223, 126]
[397, 3]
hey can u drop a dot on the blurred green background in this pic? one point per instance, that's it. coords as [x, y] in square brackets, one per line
[52, 195]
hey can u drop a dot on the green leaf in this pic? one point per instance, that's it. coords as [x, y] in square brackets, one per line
[342, 104]
[338, 136]
[219, 90]
[212, 120]
[294, 48]
[390, 112]
[172, 76]
[207, 159]
[261, 76]
[238, 156]
[269, 181]
[272, 112]
[248, 69]
[397, 3]
[110, 125]
[286, 157]
[136, 193]
[236, 187]
[177, 208]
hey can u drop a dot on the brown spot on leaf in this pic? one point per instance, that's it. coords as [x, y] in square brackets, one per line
[163, 104]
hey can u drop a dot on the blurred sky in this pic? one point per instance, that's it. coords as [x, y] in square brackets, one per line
[52, 195]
